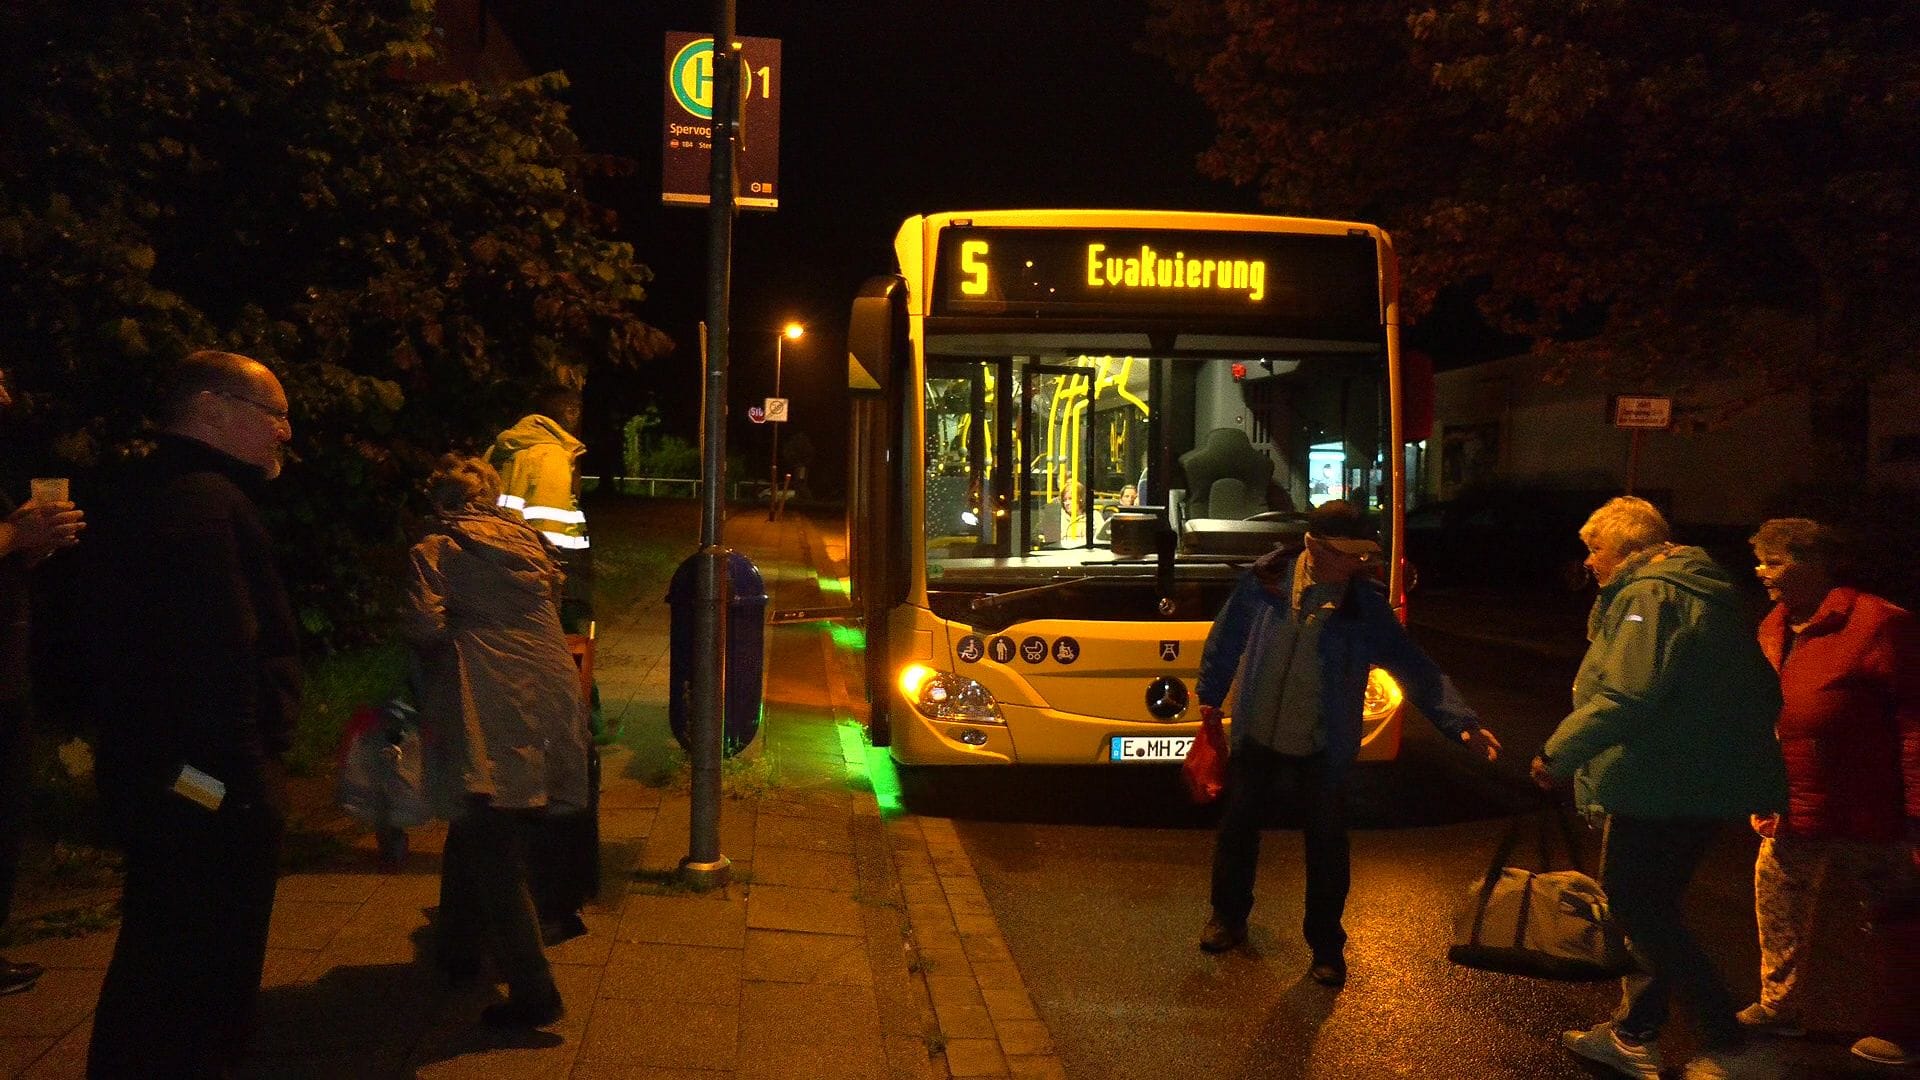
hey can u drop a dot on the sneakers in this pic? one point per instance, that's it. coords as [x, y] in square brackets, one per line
[1751, 1062]
[1761, 1020]
[1218, 937]
[18, 978]
[1601, 1044]
[1885, 1051]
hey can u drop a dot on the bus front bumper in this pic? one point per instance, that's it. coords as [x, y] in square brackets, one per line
[1047, 737]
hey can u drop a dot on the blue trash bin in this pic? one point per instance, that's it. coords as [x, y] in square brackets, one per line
[746, 651]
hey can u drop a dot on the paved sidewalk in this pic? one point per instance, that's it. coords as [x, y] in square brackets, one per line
[850, 945]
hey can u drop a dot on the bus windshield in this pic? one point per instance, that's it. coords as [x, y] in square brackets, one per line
[1034, 450]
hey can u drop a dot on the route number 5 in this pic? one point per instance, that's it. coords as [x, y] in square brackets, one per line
[973, 263]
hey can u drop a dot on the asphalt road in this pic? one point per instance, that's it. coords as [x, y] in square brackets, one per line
[1099, 882]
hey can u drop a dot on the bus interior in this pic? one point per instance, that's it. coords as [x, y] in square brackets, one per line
[1061, 460]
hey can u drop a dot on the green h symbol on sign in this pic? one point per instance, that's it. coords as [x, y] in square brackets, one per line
[691, 76]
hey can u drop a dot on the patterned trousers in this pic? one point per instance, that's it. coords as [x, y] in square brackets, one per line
[1790, 878]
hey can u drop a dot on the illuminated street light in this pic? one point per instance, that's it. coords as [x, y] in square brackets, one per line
[795, 332]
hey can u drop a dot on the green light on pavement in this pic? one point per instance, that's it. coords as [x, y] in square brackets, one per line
[870, 768]
[885, 780]
[836, 585]
[847, 637]
[853, 751]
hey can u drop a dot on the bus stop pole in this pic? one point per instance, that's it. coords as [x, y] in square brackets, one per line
[705, 867]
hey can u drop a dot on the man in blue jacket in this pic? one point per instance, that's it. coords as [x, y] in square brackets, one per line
[1296, 640]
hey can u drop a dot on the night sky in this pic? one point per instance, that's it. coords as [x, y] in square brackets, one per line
[887, 110]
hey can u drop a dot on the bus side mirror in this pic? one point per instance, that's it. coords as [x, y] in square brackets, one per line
[1416, 396]
[876, 333]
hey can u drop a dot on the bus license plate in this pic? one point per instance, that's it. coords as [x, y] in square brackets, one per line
[1150, 747]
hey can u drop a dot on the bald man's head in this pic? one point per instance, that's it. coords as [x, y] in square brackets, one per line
[232, 403]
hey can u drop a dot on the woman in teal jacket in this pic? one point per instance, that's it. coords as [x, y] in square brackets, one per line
[1671, 735]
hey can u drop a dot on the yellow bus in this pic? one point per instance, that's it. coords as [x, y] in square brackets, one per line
[1071, 430]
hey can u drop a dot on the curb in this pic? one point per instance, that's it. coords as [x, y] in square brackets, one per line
[976, 1013]
[907, 1021]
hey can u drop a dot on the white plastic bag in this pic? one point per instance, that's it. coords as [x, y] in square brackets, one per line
[381, 781]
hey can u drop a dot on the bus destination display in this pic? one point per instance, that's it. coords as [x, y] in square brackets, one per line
[1327, 282]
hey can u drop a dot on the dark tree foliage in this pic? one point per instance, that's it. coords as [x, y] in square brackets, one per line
[1684, 188]
[411, 257]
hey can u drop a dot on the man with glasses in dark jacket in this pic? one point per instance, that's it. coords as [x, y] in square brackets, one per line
[196, 689]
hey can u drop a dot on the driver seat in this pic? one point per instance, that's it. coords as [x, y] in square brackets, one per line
[1227, 477]
[1229, 498]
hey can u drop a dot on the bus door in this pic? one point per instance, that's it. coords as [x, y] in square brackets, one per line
[966, 447]
[1055, 443]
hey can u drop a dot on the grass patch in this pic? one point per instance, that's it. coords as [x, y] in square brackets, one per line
[630, 568]
[655, 759]
[82, 866]
[661, 764]
[747, 775]
[662, 771]
[65, 802]
[335, 685]
[66, 923]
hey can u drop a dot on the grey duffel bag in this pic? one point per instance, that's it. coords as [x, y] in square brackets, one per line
[1546, 922]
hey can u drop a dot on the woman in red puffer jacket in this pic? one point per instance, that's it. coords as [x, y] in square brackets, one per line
[1849, 665]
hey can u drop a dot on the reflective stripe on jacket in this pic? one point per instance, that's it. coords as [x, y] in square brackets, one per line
[535, 458]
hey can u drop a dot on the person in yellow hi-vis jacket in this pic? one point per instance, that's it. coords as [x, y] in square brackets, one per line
[539, 480]
[536, 460]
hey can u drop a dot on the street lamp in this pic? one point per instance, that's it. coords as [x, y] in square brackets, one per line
[794, 331]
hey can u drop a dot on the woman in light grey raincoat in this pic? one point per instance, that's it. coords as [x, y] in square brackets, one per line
[503, 722]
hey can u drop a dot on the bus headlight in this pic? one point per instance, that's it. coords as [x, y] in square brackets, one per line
[940, 695]
[1382, 697]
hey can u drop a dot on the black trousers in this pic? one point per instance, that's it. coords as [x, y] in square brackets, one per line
[484, 903]
[1645, 866]
[563, 851]
[15, 788]
[181, 991]
[1253, 774]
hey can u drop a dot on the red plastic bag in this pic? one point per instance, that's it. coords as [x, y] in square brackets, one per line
[1205, 769]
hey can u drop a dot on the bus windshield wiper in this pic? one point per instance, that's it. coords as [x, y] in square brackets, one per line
[989, 611]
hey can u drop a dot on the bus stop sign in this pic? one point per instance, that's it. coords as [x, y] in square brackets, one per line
[687, 134]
